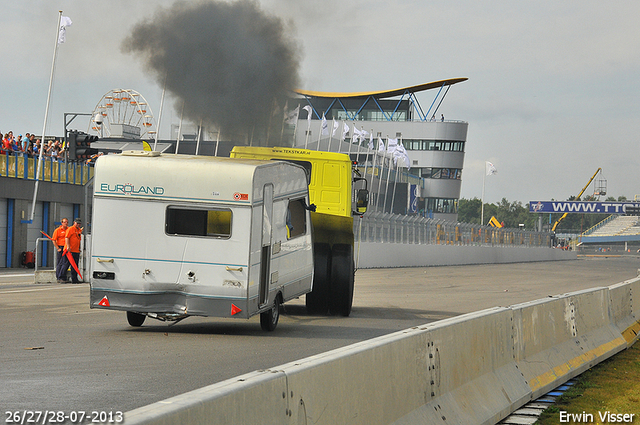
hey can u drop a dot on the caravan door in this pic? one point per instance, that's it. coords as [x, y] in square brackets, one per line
[265, 254]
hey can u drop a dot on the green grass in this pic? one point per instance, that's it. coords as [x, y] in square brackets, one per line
[613, 385]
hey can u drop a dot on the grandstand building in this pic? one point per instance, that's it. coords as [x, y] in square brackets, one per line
[429, 184]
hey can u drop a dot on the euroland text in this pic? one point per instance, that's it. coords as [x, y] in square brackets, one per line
[600, 418]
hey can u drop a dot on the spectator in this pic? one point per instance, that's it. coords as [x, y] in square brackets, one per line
[25, 143]
[32, 145]
[55, 150]
[48, 148]
[36, 147]
[6, 144]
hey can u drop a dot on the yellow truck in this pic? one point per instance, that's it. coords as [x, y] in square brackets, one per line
[331, 177]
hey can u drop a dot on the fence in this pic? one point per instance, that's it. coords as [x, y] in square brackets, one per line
[381, 227]
[21, 166]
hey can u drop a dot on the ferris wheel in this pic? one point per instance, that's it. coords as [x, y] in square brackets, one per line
[119, 108]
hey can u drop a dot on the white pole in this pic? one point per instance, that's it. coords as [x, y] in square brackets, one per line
[217, 142]
[333, 120]
[164, 89]
[381, 174]
[295, 129]
[46, 115]
[386, 189]
[199, 134]
[320, 132]
[179, 128]
[484, 176]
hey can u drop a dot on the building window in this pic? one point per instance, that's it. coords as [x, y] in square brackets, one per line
[213, 222]
[433, 145]
[441, 173]
[441, 205]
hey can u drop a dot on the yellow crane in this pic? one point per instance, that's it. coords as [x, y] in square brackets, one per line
[553, 229]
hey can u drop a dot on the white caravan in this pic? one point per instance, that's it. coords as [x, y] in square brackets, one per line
[177, 235]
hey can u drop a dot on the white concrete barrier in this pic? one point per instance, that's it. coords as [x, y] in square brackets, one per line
[472, 369]
[558, 338]
[625, 313]
[254, 398]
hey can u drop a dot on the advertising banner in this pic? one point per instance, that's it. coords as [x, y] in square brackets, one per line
[607, 207]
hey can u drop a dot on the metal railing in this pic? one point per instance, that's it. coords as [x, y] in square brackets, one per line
[21, 166]
[381, 227]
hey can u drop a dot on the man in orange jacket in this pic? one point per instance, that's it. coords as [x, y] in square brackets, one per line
[72, 245]
[59, 236]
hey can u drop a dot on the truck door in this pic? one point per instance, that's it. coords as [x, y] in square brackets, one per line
[265, 256]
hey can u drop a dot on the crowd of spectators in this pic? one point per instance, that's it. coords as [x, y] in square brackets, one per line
[30, 145]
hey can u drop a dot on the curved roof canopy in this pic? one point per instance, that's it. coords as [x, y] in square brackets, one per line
[384, 93]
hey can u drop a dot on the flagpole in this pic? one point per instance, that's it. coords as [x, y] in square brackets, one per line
[380, 177]
[306, 136]
[164, 89]
[217, 142]
[284, 116]
[46, 116]
[484, 176]
[320, 132]
[199, 134]
[386, 189]
[179, 128]
[333, 120]
[374, 169]
[395, 180]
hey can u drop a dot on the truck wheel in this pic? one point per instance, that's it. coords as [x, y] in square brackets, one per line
[342, 276]
[135, 319]
[317, 300]
[269, 319]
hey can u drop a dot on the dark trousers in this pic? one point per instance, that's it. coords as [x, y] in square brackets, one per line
[61, 269]
[64, 265]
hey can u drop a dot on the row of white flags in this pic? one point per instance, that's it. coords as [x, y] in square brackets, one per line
[395, 150]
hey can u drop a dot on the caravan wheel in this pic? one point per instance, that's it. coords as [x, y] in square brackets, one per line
[269, 319]
[135, 319]
[342, 277]
[317, 301]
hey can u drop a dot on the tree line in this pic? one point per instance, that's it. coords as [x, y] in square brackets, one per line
[512, 214]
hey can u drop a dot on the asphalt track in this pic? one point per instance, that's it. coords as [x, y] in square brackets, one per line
[58, 354]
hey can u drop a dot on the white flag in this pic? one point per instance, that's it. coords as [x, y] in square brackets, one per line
[357, 135]
[292, 116]
[380, 145]
[308, 109]
[490, 168]
[336, 124]
[345, 130]
[325, 127]
[370, 145]
[65, 22]
[401, 153]
[392, 146]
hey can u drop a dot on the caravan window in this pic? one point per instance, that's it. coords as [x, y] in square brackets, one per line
[296, 219]
[212, 222]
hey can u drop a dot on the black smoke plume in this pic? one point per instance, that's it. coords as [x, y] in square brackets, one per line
[232, 64]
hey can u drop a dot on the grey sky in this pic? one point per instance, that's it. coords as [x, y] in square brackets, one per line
[553, 90]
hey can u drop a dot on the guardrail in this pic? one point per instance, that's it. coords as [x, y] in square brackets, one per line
[413, 229]
[21, 166]
[471, 369]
